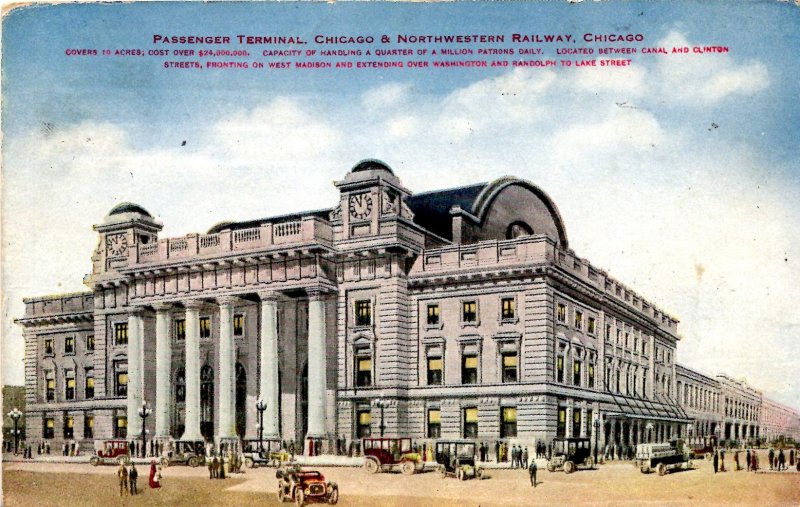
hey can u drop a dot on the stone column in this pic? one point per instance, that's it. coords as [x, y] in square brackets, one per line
[192, 417]
[226, 401]
[317, 371]
[163, 365]
[269, 390]
[135, 376]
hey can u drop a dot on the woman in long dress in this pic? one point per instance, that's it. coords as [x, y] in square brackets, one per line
[155, 477]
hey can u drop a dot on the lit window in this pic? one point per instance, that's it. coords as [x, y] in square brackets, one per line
[469, 369]
[121, 427]
[363, 371]
[363, 313]
[578, 320]
[508, 422]
[69, 345]
[469, 311]
[508, 308]
[180, 329]
[434, 371]
[90, 343]
[509, 367]
[562, 313]
[560, 368]
[121, 378]
[591, 375]
[433, 315]
[89, 383]
[238, 324]
[180, 385]
[50, 386]
[49, 428]
[471, 422]
[576, 373]
[69, 384]
[591, 326]
[576, 422]
[48, 347]
[121, 333]
[434, 423]
[88, 426]
[364, 418]
[69, 427]
[205, 327]
[561, 427]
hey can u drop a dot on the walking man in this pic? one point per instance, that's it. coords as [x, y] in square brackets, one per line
[211, 466]
[771, 457]
[132, 476]
[122, 473]
[532, 472]
[722, 460]
[736, 466]
[525, 457]
[716, 461]
[748, 459]
[781, 460]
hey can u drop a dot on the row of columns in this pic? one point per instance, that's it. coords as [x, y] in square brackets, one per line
[269, 390]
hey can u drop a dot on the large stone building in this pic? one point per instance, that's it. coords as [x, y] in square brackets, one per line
[455, 313]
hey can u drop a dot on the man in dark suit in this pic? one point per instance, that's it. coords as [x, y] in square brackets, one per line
[532, 472]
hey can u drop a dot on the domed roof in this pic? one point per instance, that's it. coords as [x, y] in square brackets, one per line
[129, 207]
[371, 164]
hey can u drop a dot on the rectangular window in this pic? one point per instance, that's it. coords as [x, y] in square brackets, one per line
[608, 331]
[205, 327]
[363, 371]
[560, 368]
[363, 313]
[561, 426]
[49, 428]
[180, 329]
[121, 379]
[591, 375]
[90, 343]
[69, 345]
[592, 325]
[576, 422]
[619, 337]
[469, 311]
[69, 384]
[562, 312]
[433, 315]
[469, 369]
[578, 320]
[576, 373]
[508, 422]
[434, 371]
[509, 367]
[121, 427]
[238, 325]
[50, 386]
[434, 423]
[364, 419]
[618, 379]
[508, 308]
[48, 347]
[121, 333]
[471, 422]
[69, 427]
[88, 426]
[635, 343]
[89, 383]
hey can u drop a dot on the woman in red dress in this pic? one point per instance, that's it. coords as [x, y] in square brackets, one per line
[155, 479]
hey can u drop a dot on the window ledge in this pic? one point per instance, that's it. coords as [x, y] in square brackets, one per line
[89, 352]
[513, 320]
[49, 354]
[434, 327]
[69, 353]
[474, 323]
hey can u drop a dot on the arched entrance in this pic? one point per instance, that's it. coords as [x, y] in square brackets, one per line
[207, 402]
[179, 405]
[241, 400]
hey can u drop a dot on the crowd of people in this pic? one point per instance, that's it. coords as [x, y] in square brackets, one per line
[776, 460]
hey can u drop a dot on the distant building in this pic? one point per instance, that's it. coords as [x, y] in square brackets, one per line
[454, 313]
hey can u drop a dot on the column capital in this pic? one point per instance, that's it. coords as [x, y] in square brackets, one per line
[162, 307]
[228, 300]
[193, 304]
[316, 293]
[268, 296]
[135, 311]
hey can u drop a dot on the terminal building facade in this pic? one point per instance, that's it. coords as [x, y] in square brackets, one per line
[455, 313]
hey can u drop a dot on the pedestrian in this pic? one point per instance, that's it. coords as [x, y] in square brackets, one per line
[122, 473]
[748, 459]
[525, 457]
[771, 457]
[716, 461]
[212, 466]
[221, 472]
[791, 457]
[133, 475]
[497, 451]
[154, 480]
[736, 466]
[754, 464]
[722, 460]
[532, 472]
[781, 460]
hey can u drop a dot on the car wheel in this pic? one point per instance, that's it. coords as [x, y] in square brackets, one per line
[193, 462]
[479, 473]
[94, 461]
[644, 469]
[299, 498]
[249, 463]
[590, 462]
[569, 467]
[371, 466]
[281, 496]
[407, 467]
[550, 467]
[164, 462]
[333, 498]
[661, 469]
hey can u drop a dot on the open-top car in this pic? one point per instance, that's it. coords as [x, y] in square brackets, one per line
[456, 458]
[186, 452]
[110, 452]
[569, 454]
[266, 453]
[305, 486]
[385, 454]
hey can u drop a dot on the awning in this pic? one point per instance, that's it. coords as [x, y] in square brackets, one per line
[660, 409]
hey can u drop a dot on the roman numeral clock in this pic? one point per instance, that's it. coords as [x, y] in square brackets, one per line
[360, 206]
[116, 245]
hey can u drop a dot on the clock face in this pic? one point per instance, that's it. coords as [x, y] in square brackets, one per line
[117, 244]
[360, 206]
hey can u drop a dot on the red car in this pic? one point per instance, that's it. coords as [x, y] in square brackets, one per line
[305, 486]
[110, 452]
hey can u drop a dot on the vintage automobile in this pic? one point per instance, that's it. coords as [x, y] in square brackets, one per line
[386, 454]
[265, 453]
[185, 452]
[706, 449]
[110, 452]
[456, 458]
[570, 453]
[305, 486]
[661, 458]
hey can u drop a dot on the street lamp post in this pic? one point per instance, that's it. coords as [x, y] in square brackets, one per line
[596, 424]
[15, 415]
[381, 405]
[144, 412]
[261, 406]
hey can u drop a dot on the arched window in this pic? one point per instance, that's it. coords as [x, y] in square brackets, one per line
[517, 229]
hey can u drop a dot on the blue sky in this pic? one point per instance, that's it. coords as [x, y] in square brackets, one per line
[703, 220]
